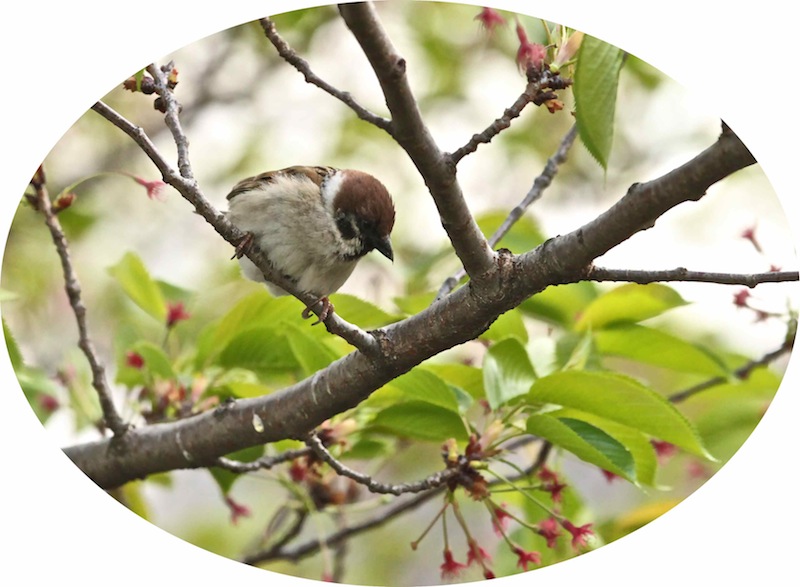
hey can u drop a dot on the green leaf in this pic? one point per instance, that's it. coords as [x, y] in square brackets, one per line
[622, 400]
[585, 441]
[136, 282]
[465, 377]
[507, 372]
[312, 354]
[259, 349]
[418, 385]
[14, 353]
[507, 325]
[595, 89]
[581, 353]
[361, 312]
[421, 420]
[561, 304]
[634, 441]
[246, 389]
[523, 236]
[655, 347]
[414, 304]
[629, 303]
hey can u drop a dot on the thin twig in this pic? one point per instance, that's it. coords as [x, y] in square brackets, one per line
[184, 183]
[73, 288]
[741, 373]
[532, 90]
[264, 463]
[435, 480]
[382, 517]
[412, 134]
[683, 274]
[541, 183]
[301, 65]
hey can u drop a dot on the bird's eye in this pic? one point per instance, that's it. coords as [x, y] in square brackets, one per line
[346, 227]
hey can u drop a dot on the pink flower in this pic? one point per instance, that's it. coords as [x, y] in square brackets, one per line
[550, 531]
[664, 450]
[529, 54]
[450, 567]
[237, 510]
[750, 234]
[476, 553]
[740, 298]
[609, 475]
[500, 519]
[175, 313]
[48, 403]
[154, 188]
[579, 534]
[526, 557]
[134, 359]
[490, 19]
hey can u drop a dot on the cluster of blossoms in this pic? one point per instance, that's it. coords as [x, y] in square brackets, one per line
[743, 298]
[469, 477]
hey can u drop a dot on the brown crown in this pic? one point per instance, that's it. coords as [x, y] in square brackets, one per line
[367, 198]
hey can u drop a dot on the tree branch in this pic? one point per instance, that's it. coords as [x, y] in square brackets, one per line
[541, 183]
[436, 480]
[199, 440]
[262, 463]
[683, 274]
[382, 517]
[73, 288]
[301, 65]
[409, 130]
[741, 373]
[188, 188]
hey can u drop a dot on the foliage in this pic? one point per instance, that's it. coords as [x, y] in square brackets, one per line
[581, 373]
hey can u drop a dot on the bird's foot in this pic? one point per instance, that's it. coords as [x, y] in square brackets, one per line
[327, 310]
[243, 246]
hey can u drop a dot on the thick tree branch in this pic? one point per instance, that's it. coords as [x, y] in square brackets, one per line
[41, 201]
[541, 183]
[409, 130]
[462, 316]
[301, 65]
[683, 274]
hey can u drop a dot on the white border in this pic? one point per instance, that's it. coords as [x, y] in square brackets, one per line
[59, 56]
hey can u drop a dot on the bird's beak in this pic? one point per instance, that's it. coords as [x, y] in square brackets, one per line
[384, 247]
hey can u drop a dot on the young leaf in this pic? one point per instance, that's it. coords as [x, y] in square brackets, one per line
[507, 325]
[361, 312]
[421, 420]
[465, 377]
[629, 303]
[561, 304]
[422, 385]
[595, 88]
[585, 441]
[507, 372]
[135, 280]
[622, 400]
[655, 347]
[259, 349]
[311, 354]
[634, 441]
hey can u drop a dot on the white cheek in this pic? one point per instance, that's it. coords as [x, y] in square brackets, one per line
[330, 188]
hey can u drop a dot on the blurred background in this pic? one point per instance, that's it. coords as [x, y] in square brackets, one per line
[246, 111]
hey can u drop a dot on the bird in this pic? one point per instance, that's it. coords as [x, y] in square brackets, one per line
[314, 223]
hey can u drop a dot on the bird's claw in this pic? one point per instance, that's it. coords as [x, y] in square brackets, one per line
[243, 246]
[327, 310]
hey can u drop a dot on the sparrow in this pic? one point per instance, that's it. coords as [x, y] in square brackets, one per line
[314, 223]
